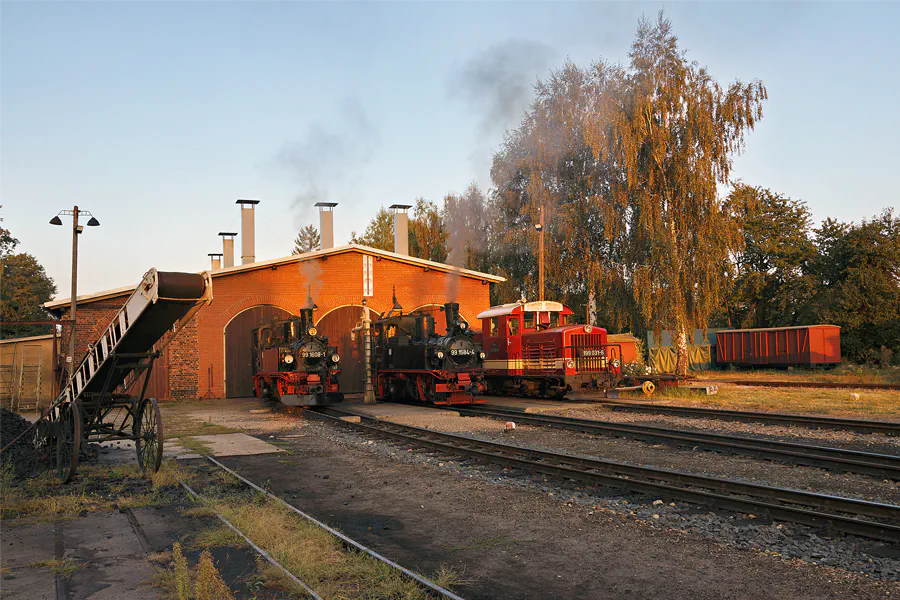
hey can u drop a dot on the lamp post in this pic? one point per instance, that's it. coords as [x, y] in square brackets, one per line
[540, 230]
[76, 229]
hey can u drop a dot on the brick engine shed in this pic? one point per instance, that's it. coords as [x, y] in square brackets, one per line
[211, 356]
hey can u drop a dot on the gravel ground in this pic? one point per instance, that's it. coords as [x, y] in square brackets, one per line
[636, 452]
[850, 440]
[785, 541]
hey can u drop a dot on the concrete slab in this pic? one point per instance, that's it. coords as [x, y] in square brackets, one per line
[223, 444]
[23, 545]
[530, 405]
[226, 444]
[383, 410]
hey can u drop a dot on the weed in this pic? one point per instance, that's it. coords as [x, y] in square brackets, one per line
[160, 558]
[209, 584]
[194, 445]
[64, 567]
[182, 579]
[448, 578]
[215, 537]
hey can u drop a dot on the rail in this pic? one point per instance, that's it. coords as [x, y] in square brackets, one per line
[811, 421]
[836, 459]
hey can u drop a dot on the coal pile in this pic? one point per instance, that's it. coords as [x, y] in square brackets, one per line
[21, 454]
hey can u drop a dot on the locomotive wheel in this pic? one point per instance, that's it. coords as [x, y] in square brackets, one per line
[148, 436]
[648, 387]
[68, 441]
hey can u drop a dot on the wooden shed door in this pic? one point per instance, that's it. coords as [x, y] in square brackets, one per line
[238, 347]
[337, 325]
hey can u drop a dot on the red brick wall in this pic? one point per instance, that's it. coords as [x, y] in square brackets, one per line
[335, 281]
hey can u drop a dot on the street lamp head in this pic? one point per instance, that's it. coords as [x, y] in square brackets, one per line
[56, 220]
[93, 222]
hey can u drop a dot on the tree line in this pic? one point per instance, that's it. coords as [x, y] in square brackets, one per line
[627, 163]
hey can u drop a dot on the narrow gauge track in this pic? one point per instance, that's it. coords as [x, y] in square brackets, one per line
[809, 384]
[807, 508]
[810, 421]
[431, 588]
[836, 459]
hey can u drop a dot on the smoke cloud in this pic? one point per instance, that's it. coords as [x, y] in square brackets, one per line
[497, 84]
[326, 162]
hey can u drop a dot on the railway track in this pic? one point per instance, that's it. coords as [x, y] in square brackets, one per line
[858, 517]
[431, 588]
[835, 459]
[809, 421]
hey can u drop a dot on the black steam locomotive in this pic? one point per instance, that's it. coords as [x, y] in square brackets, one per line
[411, 361]
[293, 364]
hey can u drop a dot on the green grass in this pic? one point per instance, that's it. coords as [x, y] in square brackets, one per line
[844, 373]
[194, 445]
[862, 404]
[312, 554]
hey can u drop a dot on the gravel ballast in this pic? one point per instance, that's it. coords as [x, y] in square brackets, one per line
[785, 541]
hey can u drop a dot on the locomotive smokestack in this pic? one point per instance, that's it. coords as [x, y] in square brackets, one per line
[216, 260]
[248, 227]
[451, 311]
[326, 224]
[401, 228]
[227, 248]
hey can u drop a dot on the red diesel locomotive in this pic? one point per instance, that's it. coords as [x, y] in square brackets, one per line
[533, 349]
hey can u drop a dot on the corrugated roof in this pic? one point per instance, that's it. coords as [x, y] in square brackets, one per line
[295, 258]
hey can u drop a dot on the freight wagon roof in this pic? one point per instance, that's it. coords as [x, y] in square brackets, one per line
[777, 328]
[58, 305]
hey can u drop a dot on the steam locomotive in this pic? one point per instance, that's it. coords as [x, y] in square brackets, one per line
[533, 349]
[411, 361]
[293, 364]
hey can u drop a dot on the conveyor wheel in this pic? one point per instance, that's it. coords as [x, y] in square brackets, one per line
[148, 436]
[67, 440]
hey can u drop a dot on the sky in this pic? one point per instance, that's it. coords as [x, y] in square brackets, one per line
[157, 116]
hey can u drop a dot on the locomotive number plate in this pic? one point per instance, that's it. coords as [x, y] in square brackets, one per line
[463, 352]
[592, 353]
[312, 354]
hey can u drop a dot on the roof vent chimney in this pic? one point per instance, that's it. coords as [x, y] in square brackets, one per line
[216, 261]
[326, 224]
[227, 248]
[248, 227]
[401, 228]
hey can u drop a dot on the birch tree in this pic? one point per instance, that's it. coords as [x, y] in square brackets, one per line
[671, 137]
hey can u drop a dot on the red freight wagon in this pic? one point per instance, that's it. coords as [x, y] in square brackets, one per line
[780, 346]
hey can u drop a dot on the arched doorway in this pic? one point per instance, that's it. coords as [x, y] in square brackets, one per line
[239, 345]
[337, 324]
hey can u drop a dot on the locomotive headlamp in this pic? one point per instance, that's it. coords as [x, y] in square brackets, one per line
[440, 354]
[588, 329]
[312, 331]
[463, 325]
[288, 358]
[482, 355]
[335, 357]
